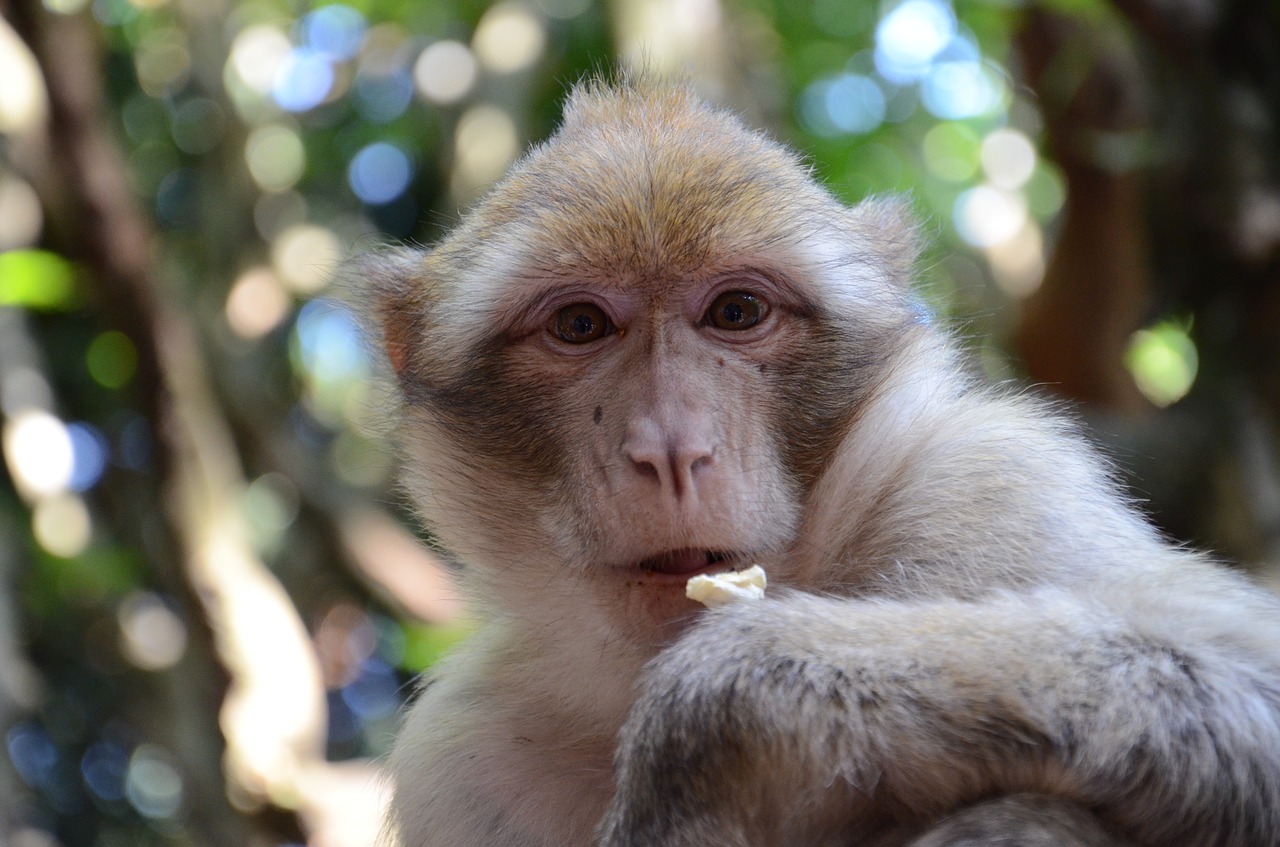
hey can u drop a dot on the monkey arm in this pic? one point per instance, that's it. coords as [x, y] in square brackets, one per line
[843, 718]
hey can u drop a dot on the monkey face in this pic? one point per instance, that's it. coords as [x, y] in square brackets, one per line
[624, 367]
[671, 451]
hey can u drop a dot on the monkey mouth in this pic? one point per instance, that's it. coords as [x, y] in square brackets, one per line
[688, 562]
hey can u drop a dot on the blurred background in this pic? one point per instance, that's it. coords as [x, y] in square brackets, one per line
[212, 598]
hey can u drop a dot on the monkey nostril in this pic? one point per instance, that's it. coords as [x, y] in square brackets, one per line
[647, 468]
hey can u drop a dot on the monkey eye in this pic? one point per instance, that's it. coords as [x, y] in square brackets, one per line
[736, 310]
[581, 323]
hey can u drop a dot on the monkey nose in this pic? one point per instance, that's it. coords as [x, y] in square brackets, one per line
[672, 459]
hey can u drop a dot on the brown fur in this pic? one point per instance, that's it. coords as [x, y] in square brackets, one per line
[962, 608]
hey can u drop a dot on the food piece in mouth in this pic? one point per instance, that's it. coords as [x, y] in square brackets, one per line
[729, 587]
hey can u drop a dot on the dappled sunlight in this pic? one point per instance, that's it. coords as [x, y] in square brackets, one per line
[850, 103]
[986, 216]
[38, 452]
[61, 524]
[24, 105]
[509, 38]
[486, 143]
[1008, 158]
[163, 62]
[275, 157]
[154, 636]
[379, 173]
[257, 303]
[256, 57]
[21, 218]
[672, 37]
[305, 256]
[1018, 262]
[445, 72]
[911, 36]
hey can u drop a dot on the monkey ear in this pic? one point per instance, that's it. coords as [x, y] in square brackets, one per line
[888, 224]
[388, 289]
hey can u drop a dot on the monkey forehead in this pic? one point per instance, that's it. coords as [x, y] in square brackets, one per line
[656, 183]
[649, 184]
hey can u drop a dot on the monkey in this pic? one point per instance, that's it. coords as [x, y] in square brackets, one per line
[659, 348]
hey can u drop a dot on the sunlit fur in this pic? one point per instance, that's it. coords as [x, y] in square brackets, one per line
[961, 606]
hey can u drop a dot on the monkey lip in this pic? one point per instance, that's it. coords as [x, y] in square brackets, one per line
[687, 562]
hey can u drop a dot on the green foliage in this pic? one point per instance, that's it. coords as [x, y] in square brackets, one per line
[1164, 361]
[425, 644]
[111, 359]
[38, 280]
[97, 577]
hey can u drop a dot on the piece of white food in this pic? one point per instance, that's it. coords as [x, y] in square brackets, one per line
[728, 587]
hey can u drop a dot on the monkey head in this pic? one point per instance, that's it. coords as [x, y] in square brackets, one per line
[626, 367]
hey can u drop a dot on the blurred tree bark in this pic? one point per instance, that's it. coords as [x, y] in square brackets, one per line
[1163, 115]
[81, 177]
[1096, 291]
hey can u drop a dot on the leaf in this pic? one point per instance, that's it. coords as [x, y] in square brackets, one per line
[37, 279]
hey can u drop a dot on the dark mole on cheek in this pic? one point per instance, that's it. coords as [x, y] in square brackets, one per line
[720, 362]
[763, 367]
[599, 414]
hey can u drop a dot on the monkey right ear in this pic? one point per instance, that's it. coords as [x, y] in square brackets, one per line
[389, 287]
[888, 224]
[395, 338]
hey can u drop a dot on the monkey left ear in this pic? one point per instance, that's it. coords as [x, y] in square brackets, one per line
[891, 228]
